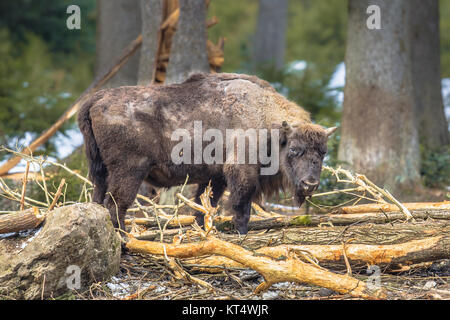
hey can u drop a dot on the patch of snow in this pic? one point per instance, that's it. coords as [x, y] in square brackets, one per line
[296, 66]
[23, 246]
[282, 285]
[430, 285]
[337, 83]
[65, 145]
[270, 295]
[7, 235]
[120, 288]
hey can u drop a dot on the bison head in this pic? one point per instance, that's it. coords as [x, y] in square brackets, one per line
[303, 148]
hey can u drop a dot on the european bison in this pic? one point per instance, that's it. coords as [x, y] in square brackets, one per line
[133, 134]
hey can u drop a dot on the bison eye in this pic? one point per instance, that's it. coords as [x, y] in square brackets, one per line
[322, 153]
[296, 152]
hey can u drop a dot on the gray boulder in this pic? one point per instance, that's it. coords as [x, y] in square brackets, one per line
[76, 246]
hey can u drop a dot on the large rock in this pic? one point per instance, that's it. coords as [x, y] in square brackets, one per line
[75, 240]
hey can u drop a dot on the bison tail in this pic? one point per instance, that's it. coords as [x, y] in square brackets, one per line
[97, 169]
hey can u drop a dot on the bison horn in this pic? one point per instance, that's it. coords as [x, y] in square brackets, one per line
[286, 127]
[330, 131]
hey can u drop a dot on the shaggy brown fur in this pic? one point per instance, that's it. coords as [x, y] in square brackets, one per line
[128, 130]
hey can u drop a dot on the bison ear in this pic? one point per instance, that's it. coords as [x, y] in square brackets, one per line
[330, 131]
[286, 127]
[286, 130]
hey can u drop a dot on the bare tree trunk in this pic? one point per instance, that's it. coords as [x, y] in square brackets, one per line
[118, 23]
[151, 13]
[379, 125]
[270, 40]
[427, 73]
[188, 52]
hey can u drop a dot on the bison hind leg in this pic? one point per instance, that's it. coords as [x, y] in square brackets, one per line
[123, 186]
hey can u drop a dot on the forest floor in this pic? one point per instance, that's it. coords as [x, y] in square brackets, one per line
[150, 278]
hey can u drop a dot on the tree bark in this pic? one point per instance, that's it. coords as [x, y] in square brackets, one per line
[388, 207]
[273, 271]
[23, 220]
[151, 13]
[358, 255]
[379, 125]
[270, 38]
[225, 223]
[427, 73]
[188, 52]
[118, 23]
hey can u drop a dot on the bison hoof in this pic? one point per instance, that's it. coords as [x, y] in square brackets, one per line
[242, 229]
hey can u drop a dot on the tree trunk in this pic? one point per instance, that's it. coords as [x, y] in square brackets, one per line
[270, 40]
[151, 13]
[188, 52]
[427, 73]
[118, 23]
[379, 127]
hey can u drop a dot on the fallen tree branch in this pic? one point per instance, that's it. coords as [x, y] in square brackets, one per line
[57, 194]
[365, 184]
[334, 219]
[24, 186]
[273, 271]
[359, 255]
[22, 220]
[153, 222]
[387, 207]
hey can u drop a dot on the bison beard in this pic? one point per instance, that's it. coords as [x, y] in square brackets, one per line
[127, 134]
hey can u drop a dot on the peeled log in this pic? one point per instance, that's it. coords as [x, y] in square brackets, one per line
[394, 256]
[273, 271]
[388, 207]
[152, 222]
[335, 219]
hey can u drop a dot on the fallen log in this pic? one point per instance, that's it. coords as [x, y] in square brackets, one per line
[359, 255]
[380, 234]
[334, 219]
[387, 207]
[225, 223]
[180, 220]
[22, 220]
[174, 222]
[274, 271]
[156, 234]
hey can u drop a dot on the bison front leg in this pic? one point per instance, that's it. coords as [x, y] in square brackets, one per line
[242, 182]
